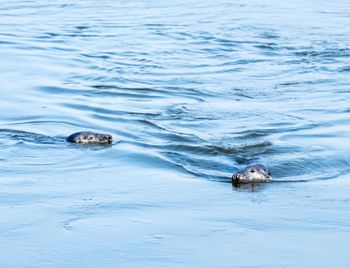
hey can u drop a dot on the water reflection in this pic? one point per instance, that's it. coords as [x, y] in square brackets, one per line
[249, 187]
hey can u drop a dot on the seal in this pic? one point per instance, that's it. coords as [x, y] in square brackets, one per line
[87, 137]
[252, 174]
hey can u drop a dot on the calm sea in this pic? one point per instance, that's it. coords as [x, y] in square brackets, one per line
[191, 91]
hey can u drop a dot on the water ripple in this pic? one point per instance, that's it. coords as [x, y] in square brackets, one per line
[203, 95]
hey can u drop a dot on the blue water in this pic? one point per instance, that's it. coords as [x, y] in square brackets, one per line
[191, 91]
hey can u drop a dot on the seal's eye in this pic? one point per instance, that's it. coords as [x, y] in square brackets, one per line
[252, 170]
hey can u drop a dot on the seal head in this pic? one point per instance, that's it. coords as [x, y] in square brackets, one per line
[87, 137]
[251, 174]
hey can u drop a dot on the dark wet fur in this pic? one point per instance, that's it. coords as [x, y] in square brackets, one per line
[252, 174]
[87, 137]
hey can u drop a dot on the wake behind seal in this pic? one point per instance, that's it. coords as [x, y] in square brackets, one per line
[255, 173]
[88, 137]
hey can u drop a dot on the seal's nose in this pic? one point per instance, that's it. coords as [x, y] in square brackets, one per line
[269, 176]
[236, 178]
[109, 138]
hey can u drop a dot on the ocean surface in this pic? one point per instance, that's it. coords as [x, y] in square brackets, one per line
[191, 91]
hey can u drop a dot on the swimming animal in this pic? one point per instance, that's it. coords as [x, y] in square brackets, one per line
[252, 174]
[87, 137]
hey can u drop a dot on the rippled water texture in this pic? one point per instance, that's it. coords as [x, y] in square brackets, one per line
[191, 91]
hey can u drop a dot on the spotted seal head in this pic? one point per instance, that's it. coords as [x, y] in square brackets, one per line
[252, 174]
[87, 137]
